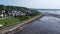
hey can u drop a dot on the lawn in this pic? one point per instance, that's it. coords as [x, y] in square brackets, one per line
[8, 21]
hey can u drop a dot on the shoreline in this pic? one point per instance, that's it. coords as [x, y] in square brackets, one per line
[19, 26]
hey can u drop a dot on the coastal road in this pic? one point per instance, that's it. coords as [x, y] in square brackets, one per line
[44, 25]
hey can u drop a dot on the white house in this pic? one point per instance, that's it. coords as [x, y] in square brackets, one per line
[2, 15]
[11, 13]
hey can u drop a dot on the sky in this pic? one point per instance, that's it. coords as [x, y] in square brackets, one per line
[42, 4]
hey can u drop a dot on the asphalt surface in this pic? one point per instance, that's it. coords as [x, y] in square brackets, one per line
[44, 25]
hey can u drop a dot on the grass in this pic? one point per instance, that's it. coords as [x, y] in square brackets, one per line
[8, 22]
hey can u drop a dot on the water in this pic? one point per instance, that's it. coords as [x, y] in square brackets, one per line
[44, 25]
[53, 12]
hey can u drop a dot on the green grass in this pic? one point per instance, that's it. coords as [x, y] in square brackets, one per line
[8, 21]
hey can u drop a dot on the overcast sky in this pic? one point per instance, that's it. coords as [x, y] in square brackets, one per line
[45, 4]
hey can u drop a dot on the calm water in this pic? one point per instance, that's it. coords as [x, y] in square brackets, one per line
[44, 25]
[54, 12]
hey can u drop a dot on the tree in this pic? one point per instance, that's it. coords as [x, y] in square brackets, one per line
[2, 7]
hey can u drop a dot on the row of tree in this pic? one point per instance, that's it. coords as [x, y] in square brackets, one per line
[23, 9]
[9, 8]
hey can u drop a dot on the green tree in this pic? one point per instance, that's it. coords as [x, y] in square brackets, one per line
[2, 7]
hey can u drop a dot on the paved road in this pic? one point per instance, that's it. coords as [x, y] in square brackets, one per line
[45, 25]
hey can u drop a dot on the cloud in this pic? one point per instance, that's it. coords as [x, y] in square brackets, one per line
[51, 4]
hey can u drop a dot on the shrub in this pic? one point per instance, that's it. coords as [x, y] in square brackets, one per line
[0, 16]
[23, 17]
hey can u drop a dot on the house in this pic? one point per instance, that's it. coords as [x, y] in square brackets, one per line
[28, 12]
[21, 13]
[12, 13]
[2, 14]
[17, 13]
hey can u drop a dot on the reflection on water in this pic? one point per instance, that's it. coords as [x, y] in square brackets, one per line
[50, 19]
[51, 23]
[44, 25]
[53, 12]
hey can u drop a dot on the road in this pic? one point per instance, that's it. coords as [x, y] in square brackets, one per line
[44, 25]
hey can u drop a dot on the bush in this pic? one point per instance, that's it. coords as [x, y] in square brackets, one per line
[23, 17]
[0, 16]
[5, 23]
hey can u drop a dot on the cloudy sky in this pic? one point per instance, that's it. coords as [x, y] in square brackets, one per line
[45, 4]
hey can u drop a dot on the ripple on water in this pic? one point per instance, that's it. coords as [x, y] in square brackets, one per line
[50, 22]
